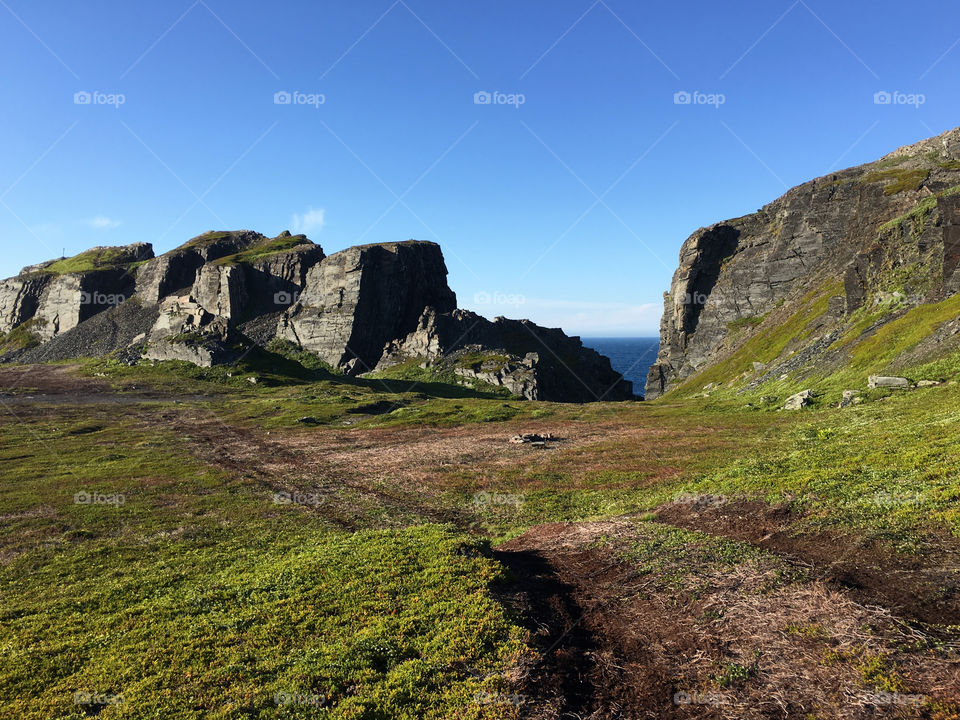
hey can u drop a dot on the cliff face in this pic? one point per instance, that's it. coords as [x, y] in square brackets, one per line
[56, 296]
[220, 294]
[886, 227]
[358, 300]
[529, 360]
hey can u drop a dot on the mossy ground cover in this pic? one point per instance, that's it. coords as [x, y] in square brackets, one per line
[95, 259]
[265, 249]
[187, 592]
[198, 596]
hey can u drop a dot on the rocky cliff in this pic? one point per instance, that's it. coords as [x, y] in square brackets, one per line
[358, 300]
[220, 295]
[793, 289]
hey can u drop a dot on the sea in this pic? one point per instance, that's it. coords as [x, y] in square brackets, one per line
[631, 357]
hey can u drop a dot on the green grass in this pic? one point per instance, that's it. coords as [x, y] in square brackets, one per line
[265, 249]
[745, 322]
[205, 239]
[95, 259]
[21, 337]
[200, 597]
[767, 344]
[898, 180]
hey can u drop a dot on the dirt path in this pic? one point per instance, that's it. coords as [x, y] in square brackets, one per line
[615, 641]
[618, 643]
[924, 586]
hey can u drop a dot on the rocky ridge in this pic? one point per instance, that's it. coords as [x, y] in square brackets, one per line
[220, 295]
[795, 287]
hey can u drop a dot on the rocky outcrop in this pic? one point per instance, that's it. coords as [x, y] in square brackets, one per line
[889, 226]
[244, 286]
[356, 301]
[532, 361]
[214, 298]
[186, 331]
[58, 295]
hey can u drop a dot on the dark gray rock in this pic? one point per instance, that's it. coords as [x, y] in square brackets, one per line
[850, 229]
[532, 361]
[356, 301]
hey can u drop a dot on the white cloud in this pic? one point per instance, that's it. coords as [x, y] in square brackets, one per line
[309, 222]
[586, 318]
[103, 223]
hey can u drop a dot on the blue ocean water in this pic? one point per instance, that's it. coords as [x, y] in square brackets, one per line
[631, 357]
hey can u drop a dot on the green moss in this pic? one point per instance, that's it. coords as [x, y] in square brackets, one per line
[898, 180]
[745, 322]
[265, 249]
[95, 259]
[22, 337]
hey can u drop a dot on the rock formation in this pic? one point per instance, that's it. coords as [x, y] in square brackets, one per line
[883, 233]
[58, 295]
[532, 361]
[220, 294]
[358, 300]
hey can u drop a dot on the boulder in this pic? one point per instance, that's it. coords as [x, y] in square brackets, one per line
[850, 397]
[800, 400]
[186, 331]
[884, 381]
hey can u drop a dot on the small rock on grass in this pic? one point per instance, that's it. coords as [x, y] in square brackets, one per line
[800, 400]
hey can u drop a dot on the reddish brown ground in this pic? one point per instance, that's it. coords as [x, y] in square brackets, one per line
[614, 643]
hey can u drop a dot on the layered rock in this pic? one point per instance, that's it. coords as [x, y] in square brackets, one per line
[356, 301]
[212, 299]
[58, 295]
[740, 277]
[531, 361]
[185, 330]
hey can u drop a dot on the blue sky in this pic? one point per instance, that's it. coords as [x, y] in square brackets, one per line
[565, 199]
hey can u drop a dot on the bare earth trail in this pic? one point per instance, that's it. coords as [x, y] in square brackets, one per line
[615, 641]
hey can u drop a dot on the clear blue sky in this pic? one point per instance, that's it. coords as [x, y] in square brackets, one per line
[516, 195]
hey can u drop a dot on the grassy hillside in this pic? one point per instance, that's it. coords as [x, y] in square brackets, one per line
[318, 546]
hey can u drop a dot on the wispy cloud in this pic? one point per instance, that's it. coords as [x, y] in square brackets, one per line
[309, 222]
[100, 222]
